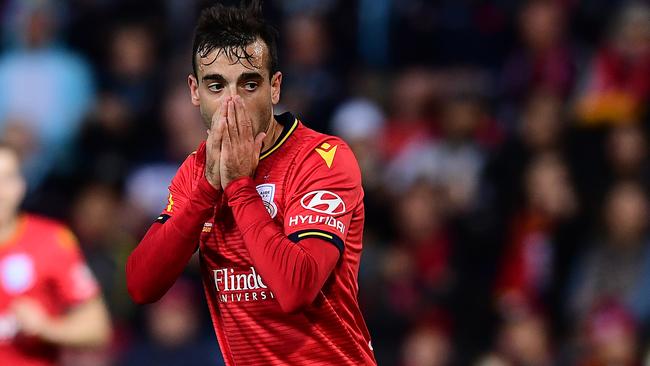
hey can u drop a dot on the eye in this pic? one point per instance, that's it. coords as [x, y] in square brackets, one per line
[250, 86]
[215, 87]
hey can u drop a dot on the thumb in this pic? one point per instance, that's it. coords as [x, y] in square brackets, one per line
[259, 140]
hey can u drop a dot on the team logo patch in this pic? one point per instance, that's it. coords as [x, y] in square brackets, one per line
[267, 192]
[327, 152]
[324, 202]
[17, 272]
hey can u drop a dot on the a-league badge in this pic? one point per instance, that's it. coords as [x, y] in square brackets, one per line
[267, 192]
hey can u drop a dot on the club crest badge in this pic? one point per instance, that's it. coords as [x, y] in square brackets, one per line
[17, 271]
[267, 192]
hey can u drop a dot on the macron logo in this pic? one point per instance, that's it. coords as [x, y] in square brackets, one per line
[327, 152]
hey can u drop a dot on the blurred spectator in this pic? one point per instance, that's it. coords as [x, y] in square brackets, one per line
[175, 336]
[617, 86]
[427, 345]
[541, 128]
[627, 153]
[527, 270]
[49, 299]
[97, 221]
[147, 184]
[310, 89]
[107, 142]
[130, 73]
[610, 337]
[45, 89]
[416, 273]
[411, 105]
[360, 123]
[617, 266]
[545, 60]
[454, 162]
[523, 339]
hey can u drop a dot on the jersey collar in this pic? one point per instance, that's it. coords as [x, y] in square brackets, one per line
[290, 124]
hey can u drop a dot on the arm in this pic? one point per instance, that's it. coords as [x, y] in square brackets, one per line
[155, 264]
[85, 325]
[294, 271]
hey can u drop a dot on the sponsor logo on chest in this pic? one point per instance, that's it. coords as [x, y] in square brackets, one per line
[240, 286]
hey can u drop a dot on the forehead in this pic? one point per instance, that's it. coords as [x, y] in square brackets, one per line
[230, 62]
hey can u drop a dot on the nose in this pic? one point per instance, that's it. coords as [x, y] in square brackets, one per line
[231, 90]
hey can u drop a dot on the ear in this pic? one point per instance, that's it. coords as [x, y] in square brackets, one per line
[276, 83]
[193, 83]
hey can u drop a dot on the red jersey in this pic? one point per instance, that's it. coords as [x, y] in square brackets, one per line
[310, 185]
[42, 262]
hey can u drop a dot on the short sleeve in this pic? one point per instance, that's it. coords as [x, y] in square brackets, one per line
[324, 194]
[73, 280]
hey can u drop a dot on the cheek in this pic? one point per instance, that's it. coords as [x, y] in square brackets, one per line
[12, 192]
[208, 108]
[259, 109]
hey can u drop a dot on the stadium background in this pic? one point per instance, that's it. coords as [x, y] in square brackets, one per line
[504, 147]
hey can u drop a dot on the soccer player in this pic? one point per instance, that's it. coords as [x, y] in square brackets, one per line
[48, 297]
[274, 208]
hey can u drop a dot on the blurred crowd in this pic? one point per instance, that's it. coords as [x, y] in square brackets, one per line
[503, 145]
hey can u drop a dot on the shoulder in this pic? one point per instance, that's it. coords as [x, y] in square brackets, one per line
[327, 153]
[43, 224]
[52, 234]
[194, 160]
[324, 158]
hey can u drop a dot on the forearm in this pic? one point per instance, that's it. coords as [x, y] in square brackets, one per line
[88, 325]
[155, 264]
[295, 273]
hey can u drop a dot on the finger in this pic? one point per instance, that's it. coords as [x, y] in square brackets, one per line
[222, 113]
[209, 142]
[232, 120]
[244, 122]
[259, 140]
[221, 131]
[225, 136]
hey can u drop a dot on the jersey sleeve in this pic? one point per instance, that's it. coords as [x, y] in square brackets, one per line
[325, 194]
[73, 280]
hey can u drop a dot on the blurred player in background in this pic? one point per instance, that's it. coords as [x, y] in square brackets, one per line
[275, 209]
[48, 297]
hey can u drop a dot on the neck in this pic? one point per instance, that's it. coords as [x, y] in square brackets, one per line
[272, 133]
[7, 228]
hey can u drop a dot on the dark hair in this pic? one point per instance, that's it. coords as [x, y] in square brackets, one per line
[230, 30]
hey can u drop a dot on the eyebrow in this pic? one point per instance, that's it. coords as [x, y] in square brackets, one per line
[244, 76]
[214, 77]
[251, 75]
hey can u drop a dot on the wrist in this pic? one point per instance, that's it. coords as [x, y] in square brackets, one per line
[227, 182]
[236, 184]
[207, 192]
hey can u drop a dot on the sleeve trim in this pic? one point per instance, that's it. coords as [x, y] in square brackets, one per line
[311, 233]
[162, 218]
